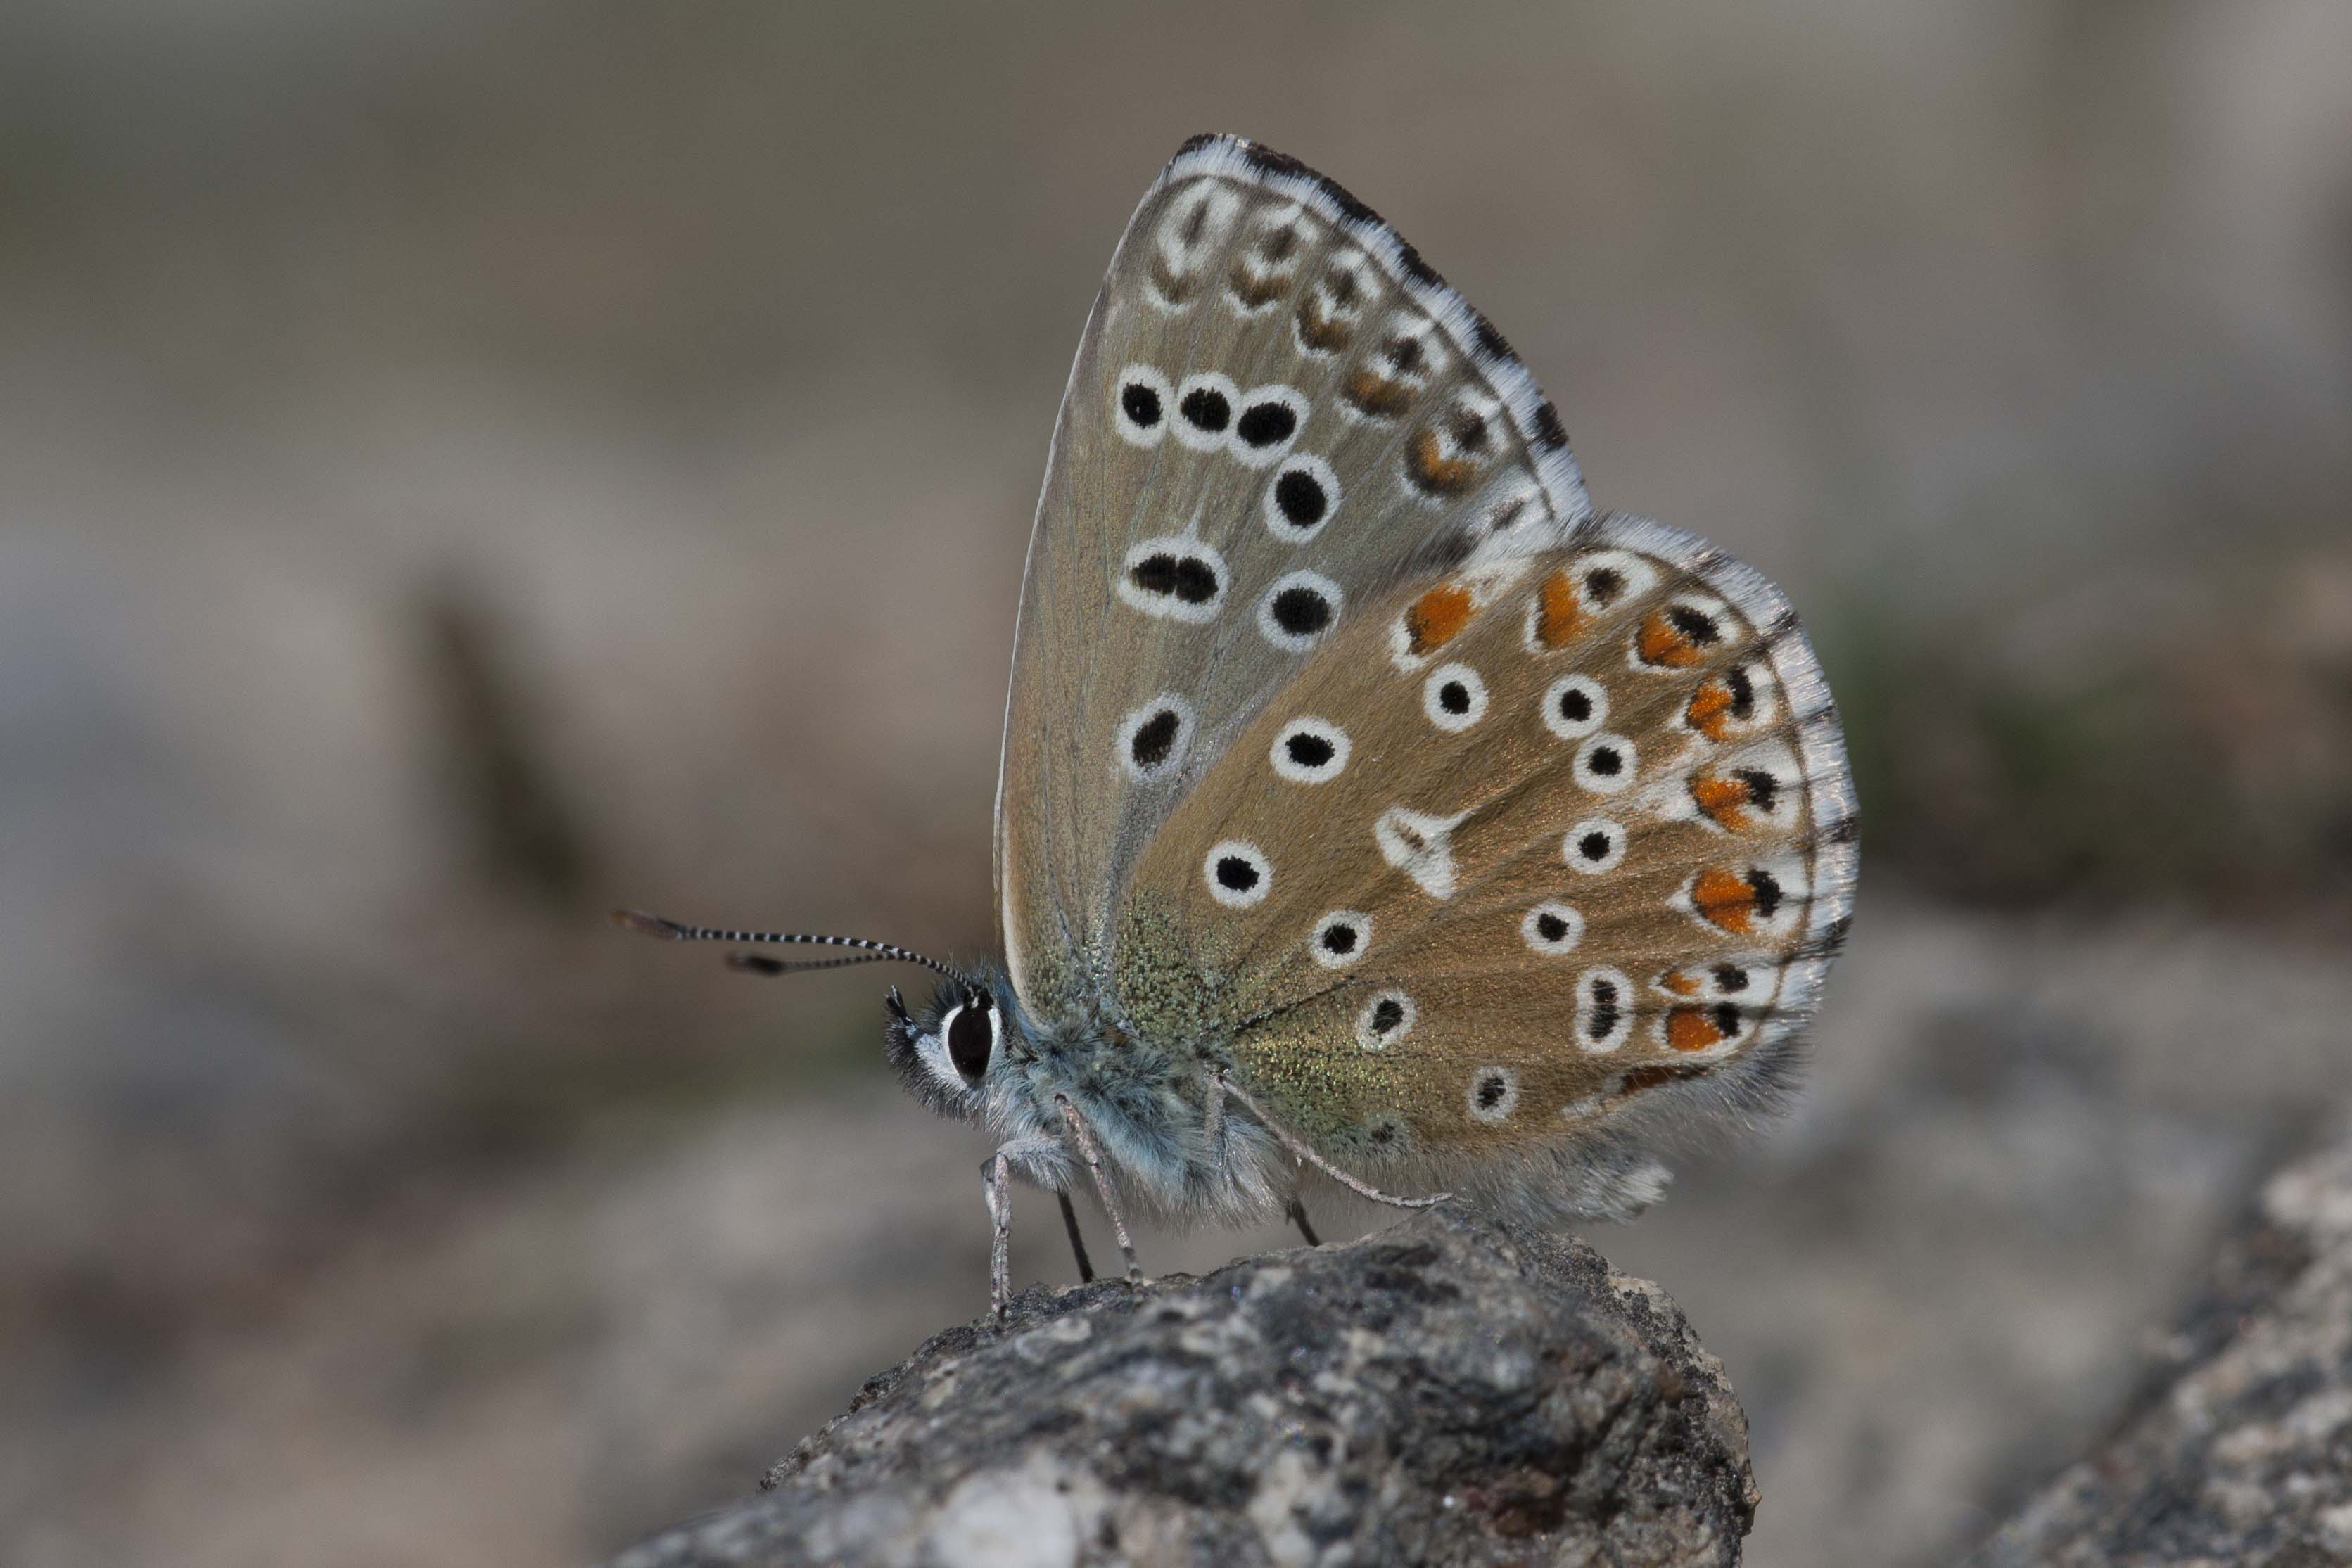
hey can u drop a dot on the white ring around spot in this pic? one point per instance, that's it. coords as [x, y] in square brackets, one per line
[1145, 376]
[1531, 928]
[1273, 452]
[1575, 728]
[1370, 1039]
[1270, 510]
[1361, 921]
[1289, 642]
[1144, 713]
[1588, 776]
[1238, 897]
[1192, 435]
[1433, 690]
[1571, 847]
[1504, 1103]
[1289, 767]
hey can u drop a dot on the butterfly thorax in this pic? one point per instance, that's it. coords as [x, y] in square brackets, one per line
[1144, 1094]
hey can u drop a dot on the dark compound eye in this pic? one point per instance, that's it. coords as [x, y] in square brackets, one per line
[971, 1036]
[1141, 403]
[1266, 423]
[1206, 408]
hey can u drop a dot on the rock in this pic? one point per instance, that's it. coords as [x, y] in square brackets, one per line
[2241, 1451]
[1445, 1391]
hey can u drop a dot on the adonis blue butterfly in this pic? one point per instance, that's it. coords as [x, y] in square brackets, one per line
[1368, 800]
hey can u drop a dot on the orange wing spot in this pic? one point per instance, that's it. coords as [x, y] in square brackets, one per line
[1724, 799]
[1655, 1074]
[1373, 393]
[1437, 617]
[1436, 471]
[1696, 1029]
[1558, 612]
[1725, 899]
[1710, 710]
[1682, 982]
[1662, 642]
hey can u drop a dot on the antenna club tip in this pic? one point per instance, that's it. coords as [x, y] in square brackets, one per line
[645, 924]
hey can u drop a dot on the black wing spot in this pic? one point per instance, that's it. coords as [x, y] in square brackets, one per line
[1300, 496]
[1301, 610]
[1184, 576]
[1491, 1089]
[1593, 846]
[1267, 423]
[1607, 761]
[1606, 1010]
[1155, 737]
[1141, 405]
[1387, 1013]
[1340, 938]
[1762, 788]
[1206, 408]
[1576, 705]
[1550, 927]
[1768, 891]
[1605, 584]
[1695, 624]
[1731, 976]
[1236, 873]
[1551, 433]
[1453, 697]
[1743, 693]
[1310, 750]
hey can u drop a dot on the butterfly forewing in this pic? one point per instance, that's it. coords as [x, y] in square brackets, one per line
[1278, 413]
[1524, 843]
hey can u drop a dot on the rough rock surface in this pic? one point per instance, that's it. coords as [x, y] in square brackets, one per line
[1444, 1392]
[2240, 1452]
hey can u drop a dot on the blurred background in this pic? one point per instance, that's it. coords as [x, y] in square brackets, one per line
[464, 465]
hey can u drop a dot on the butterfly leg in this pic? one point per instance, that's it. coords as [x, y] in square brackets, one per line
[1091, 1152]
[1296, 1214]
[995, 1179]
[1298, 1146]
[1077, 1242]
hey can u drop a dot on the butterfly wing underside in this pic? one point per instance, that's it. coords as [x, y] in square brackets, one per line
[1278, 413]
[1349, 748]
[1534, 849]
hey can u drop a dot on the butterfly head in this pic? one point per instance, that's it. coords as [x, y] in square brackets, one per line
[947, 1050]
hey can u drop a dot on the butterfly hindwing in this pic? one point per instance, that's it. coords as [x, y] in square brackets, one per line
[1278, 413]
[1524, 844]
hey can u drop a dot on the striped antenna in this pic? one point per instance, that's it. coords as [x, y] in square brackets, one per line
[669, 930]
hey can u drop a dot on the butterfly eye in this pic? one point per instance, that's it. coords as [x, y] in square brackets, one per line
[972, 1037]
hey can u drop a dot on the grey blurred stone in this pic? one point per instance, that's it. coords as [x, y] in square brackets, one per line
[1445, 1391]
[2241, 1451]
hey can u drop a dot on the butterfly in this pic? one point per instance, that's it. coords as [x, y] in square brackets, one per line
[1369, 801]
